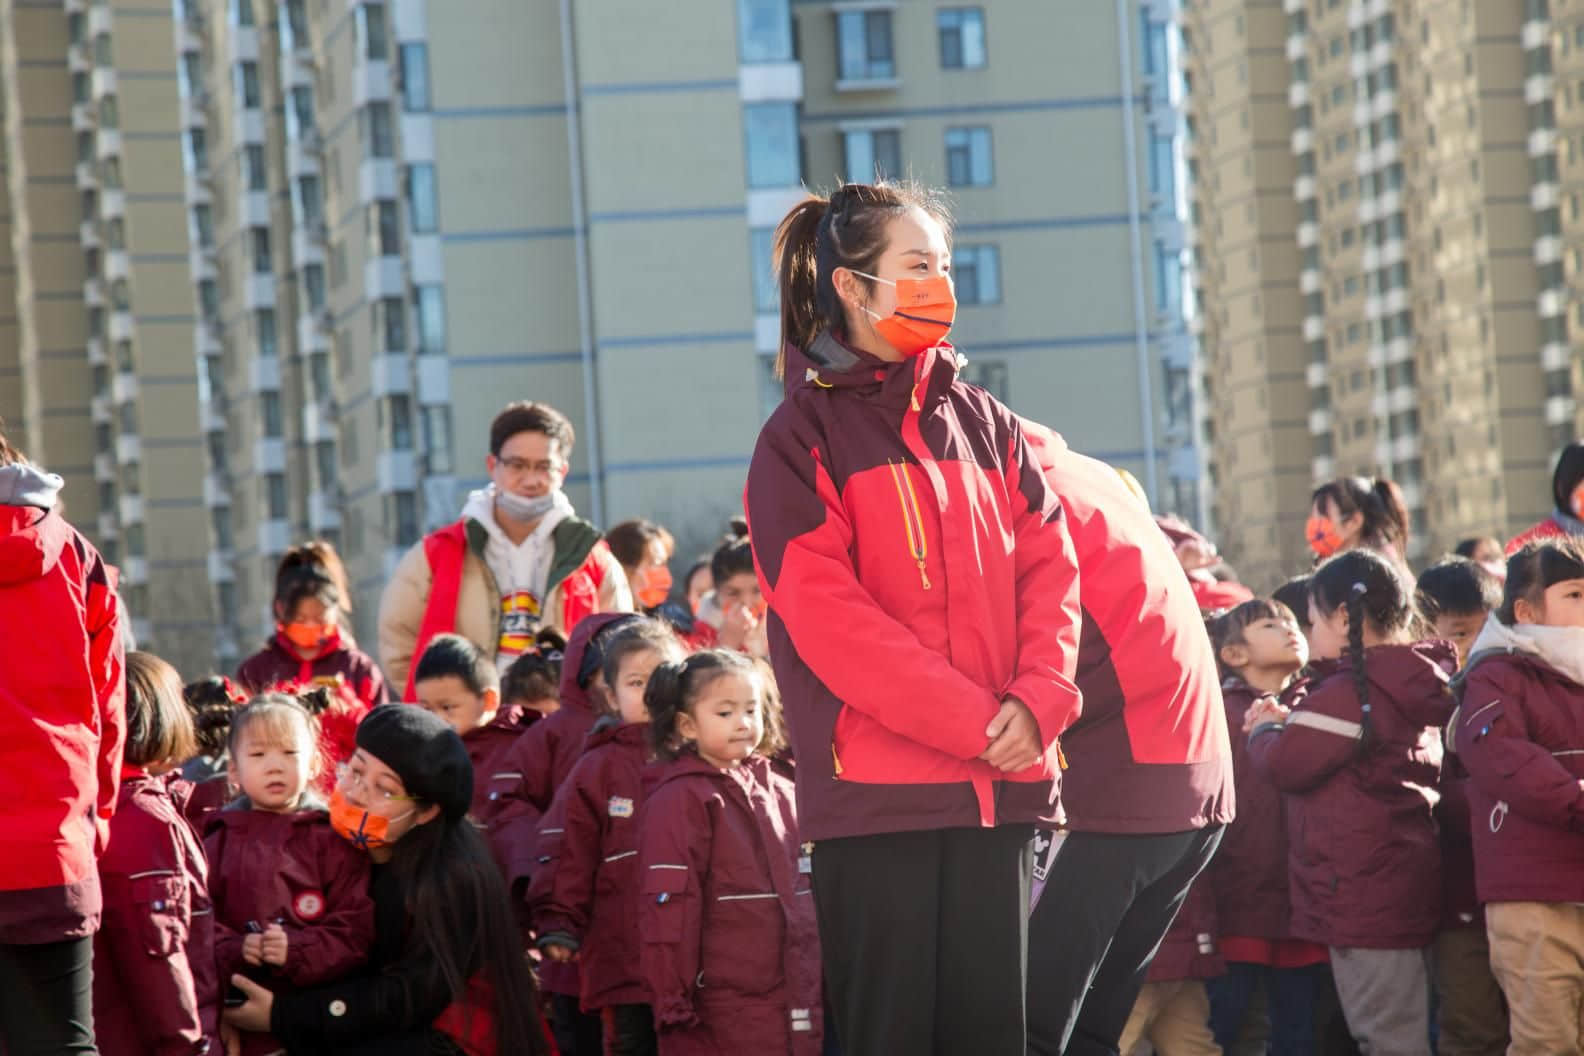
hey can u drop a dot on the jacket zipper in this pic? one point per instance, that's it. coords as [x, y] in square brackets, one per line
[835, 759]
[912, 519]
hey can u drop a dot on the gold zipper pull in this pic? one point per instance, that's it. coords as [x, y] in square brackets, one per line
[835, 759]
[923, 575]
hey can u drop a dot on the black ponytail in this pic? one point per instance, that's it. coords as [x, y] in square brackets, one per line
[1355, 611]
[1372, 589]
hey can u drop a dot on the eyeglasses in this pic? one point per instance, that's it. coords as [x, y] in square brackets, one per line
[356, 781]
[519, 466]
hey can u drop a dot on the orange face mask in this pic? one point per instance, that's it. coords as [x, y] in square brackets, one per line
[309, 636]
[1324, 539]
[924, 313]
[357, 826]
[654, 586]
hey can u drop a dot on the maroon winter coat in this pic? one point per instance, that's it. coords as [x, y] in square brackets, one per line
[294, 870]
[587, 893]
[198, 801]
[1366, 864]
[1520, 733]
[154, 986]
[731, 955]
[1149, 753]
[1460, 903]
[1249, 874]
[1189, 949]
[338, 663]
[488, 747]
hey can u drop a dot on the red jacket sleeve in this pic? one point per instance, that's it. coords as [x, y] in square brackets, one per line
[674, 840]
[340, 940]
[106, 658]
[803, 551]
[561, 894]
[1049, 614]
[1319, 738]
[144, 934]
[1495, 745]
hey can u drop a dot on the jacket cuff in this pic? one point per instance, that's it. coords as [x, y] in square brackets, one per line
[1265, 727]
[675, 1012]
[558, 938]
[1052, 704]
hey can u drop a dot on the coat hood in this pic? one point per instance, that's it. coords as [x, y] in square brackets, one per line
[24, 484]
[829, 363]
[573, 695]
[31, 543]
[1561, 648]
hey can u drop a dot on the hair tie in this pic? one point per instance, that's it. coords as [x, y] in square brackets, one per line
[1359, 590]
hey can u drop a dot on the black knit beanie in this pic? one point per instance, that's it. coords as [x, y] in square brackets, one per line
[425, 752]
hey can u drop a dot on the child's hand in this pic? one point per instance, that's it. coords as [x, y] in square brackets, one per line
[1264, 710]
[253, 949]
[273, 945]
[559, 953]
[736, 625]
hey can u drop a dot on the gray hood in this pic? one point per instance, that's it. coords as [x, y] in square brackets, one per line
[24, 484]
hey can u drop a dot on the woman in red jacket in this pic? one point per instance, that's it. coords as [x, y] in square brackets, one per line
[923, 627]
[1359, 760]
[62, 723]
[155, 988]
[730, 943]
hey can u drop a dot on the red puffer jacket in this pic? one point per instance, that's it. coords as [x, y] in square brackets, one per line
[338, 664]
[587, 893]
[1150, 752]
[1362, 842]
[155, 991]
[62, 723]
[918, 571]
[488, 748]
[731, 954]
[1520, 733]
[291, 869]
[1249, 873]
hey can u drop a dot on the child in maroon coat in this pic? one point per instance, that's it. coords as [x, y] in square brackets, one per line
[1359, 760]
[1520, 732]
[1172, 1011]
[154, 984]
[291, 897]
[584, 899]
[731, 952]
[1261, 648]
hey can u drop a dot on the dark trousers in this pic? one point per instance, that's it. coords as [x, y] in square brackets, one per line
[1107, 903]
[925, 938]
[629, 1030]
[46, 999]
[1290, 996]
[576, 1033]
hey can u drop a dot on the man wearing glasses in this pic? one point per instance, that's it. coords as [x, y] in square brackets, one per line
[518, 562]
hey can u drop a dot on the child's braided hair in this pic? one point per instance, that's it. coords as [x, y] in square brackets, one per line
[1372, 589]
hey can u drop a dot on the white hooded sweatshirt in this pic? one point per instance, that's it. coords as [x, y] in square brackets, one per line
[521, 570]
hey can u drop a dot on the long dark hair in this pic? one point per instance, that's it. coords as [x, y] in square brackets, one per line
[461, 918]
[846, 230]
[1373, 589]
[1379, 500]
[311, 570]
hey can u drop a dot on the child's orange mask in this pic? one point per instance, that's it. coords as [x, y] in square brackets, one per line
[1324, 539]
[923, 316]
[654, 586]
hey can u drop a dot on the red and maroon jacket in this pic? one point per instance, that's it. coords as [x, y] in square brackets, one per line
[338, 664]
[155, 992]
[1365, 859]
[586, 895]
[918, 572]
[1520, 733]
[1150, 753]
[62, 724]
[294, 870]
[1189, 950]
[1249, 873]
[731, 954]
[488, 747]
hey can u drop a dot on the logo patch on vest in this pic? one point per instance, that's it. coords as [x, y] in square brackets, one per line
[620, 807]
[309, 906]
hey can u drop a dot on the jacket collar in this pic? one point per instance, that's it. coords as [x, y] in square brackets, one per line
[830, 363]
[1560, 648]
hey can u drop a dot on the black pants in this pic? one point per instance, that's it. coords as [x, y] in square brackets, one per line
[46, 999]
[576, 1033]
[1107, 903]
[925, 940]
[629, 1030]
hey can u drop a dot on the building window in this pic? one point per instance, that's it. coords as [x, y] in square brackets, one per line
[378, 141]
[414, 62]
[863, 40]
[319, 376]
[873, 154]
[422, 207]
[85, 148]
[313, 280]
[270, 411]
[338, 265]
[385, 228]
[429, 308]
[275, 495]
[405, 518]
[248, 84]
[761, 247]
[125, 362]
[76, 28]
[112, 173]
[436, 421]
[302, 108]
[990, 375]
[390, 323]
[401, 424]
[82, 88]
[264, 330]
[103, 55]
[968, 161]
[325, 457]
[109, 113]
[771, 134]
[127, 415]
[976, 273]
[310, 199]
[1162, 168]
[220, 520]
[209, 300]
[962, 37]
[297, 21]
[197, 145]
[261, 250]
[120, 296]
[371, 32]
[764, 31]
[254, 175]
[242, 12]
[203, 225]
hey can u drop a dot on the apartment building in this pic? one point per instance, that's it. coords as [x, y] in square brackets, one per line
[98, 315]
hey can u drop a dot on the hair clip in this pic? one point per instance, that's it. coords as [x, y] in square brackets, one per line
[1359, 590]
